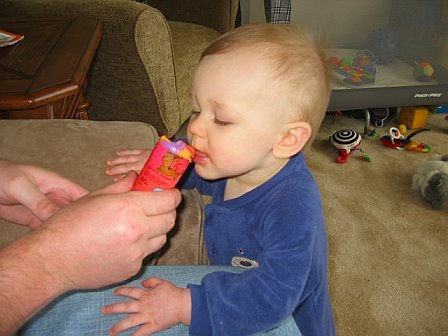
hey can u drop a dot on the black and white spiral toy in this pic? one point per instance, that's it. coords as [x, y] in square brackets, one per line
[345, 138]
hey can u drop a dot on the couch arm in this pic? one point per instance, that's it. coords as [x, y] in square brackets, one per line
[121, 85]
[219, 15]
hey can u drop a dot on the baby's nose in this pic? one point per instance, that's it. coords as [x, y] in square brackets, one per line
[195, 127]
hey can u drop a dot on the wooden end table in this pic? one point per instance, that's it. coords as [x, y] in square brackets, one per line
[43, 76]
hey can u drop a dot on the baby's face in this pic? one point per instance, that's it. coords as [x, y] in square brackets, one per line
[237, 118]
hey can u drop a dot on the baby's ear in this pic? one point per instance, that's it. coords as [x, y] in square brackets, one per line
[293, 140]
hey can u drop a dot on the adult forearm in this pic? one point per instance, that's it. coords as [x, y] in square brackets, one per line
[26, 283]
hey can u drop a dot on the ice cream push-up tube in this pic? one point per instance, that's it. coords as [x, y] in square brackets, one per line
[165, 166]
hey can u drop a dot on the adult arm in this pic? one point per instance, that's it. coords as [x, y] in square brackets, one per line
[95, 241]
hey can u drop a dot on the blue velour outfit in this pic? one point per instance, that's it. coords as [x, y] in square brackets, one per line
[279, 228]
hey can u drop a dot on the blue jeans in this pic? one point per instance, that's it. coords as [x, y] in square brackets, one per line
[79, 313]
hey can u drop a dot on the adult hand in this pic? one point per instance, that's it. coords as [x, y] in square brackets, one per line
[95, 241]
[29, 195]
[102, 238]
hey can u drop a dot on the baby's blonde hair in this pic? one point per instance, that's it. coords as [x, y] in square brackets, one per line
[297, 59]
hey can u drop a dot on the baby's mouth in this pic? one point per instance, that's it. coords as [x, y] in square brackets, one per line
[199, 157]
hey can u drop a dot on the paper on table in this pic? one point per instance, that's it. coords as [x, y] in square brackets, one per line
[7, 38]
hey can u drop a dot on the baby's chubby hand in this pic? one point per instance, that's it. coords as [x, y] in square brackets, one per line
[157, 306]
[127, 160]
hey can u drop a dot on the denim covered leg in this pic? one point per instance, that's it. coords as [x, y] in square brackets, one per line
[79, 313]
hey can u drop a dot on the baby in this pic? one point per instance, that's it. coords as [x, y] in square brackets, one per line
[259, 94]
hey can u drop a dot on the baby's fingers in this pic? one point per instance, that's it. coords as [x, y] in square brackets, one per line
[119, 177]
[129, 152]
[152, 282]
[127, 160]
[130, 292]
[127, 323]
[147, 329]
[118, 160]
[122, 307]
[121, 169]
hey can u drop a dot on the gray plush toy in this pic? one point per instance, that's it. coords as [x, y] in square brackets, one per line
[431, 179]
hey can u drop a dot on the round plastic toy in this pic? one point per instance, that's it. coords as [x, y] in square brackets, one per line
[423, 71]
[346, 141]
[398, 141]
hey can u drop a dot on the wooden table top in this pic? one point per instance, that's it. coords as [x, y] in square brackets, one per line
[50, 62]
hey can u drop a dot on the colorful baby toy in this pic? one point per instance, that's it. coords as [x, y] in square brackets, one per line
[346, 141]
[356, 72]
[423, 71]
[398, 141]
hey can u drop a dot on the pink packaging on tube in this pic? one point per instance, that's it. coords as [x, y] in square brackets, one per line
[165, 166]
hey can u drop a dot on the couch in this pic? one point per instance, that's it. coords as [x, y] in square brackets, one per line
[143, 66]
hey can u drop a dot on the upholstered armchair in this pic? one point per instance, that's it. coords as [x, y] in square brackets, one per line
[144, 63]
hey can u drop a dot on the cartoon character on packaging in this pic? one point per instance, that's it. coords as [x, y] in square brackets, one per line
[165, 166]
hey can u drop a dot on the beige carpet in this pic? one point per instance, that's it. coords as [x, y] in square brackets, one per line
[388, 249]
